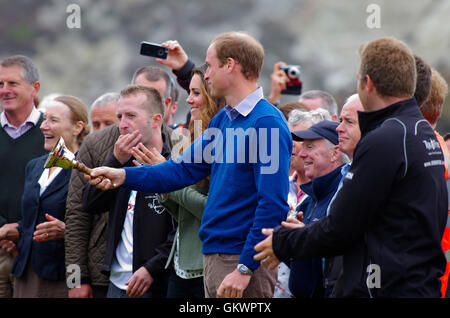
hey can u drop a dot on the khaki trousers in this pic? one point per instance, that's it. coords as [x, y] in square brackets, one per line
[30, 285]
[6, 278]
[217, 266]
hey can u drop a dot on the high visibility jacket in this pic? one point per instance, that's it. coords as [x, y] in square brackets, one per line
[445, 243]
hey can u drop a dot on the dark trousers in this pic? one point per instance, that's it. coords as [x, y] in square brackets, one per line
[185, 288]
[100, 291]
[115, 292]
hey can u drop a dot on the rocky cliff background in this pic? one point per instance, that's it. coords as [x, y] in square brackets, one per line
[323, 36]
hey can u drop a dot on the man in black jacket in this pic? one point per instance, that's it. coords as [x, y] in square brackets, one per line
[140, 231]
[389, 216]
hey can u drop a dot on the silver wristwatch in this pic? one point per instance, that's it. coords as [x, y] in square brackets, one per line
[244, 269]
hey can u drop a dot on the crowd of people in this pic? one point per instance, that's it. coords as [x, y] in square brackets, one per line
[248, 198]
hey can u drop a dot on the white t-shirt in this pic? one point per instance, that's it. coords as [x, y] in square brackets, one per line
[122, 266]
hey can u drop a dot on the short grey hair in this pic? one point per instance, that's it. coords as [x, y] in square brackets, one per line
[329, 103]
[351, 99]
[297, 116]
[106, 99]
[30, 72]
[319, 115]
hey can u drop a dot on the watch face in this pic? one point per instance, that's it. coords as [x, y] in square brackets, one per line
[244, 269]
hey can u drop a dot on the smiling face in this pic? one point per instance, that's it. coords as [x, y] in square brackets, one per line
[58, 123]
[215, 74]
[296, 161]
[317, 157]
[16, 94]
[195, 98]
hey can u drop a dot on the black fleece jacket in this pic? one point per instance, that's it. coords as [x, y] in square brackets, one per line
[388, 218]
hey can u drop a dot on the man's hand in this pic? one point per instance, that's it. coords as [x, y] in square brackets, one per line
[139, 283]
[278, 83]
[124, 144]
[9, 246]
[233, 285]
[145, 156]
[9, 232]
[294, 223]
[266, 255]
[176, 58]
[84, 291]
[3, 233]
[106, 178]
[51, 230]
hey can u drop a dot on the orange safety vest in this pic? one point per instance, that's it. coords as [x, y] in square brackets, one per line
[445, 242]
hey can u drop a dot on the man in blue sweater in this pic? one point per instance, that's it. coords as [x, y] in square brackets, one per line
[246, 151]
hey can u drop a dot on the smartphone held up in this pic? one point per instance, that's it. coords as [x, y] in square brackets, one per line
[154, 50]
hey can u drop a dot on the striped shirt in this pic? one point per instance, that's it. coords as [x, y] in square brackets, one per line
[16, 132]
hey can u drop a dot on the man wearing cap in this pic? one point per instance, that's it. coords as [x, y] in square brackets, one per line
[323, 161]
[389, 217]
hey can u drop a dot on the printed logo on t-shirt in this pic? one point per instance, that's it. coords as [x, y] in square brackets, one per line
[154, 203]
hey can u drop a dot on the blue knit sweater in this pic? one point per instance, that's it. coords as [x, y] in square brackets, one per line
[248, 159]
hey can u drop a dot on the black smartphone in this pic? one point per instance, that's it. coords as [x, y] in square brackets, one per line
[154, 50]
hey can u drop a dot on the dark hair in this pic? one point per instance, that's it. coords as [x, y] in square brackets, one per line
[153, 74]
[446, 136]
[423, 82]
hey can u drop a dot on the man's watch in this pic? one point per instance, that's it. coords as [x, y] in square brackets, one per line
[244, 269]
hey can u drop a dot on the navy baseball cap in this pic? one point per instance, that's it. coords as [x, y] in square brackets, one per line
[324, 129]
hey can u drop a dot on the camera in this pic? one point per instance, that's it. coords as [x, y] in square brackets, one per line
[154, 50]
[294, 84]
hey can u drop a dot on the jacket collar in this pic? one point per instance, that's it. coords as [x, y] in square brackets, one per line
[371, 120]
[60, 180]
[321, 186]
[166, 151]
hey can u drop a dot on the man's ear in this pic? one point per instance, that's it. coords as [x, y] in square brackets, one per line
[36, 85]
[369, 84]
[336, 154]
[157, 120]
[335, 118]
[174, 108]
[230, 64]
[167, 102]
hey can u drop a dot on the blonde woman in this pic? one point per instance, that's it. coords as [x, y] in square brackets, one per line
[39, 268]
